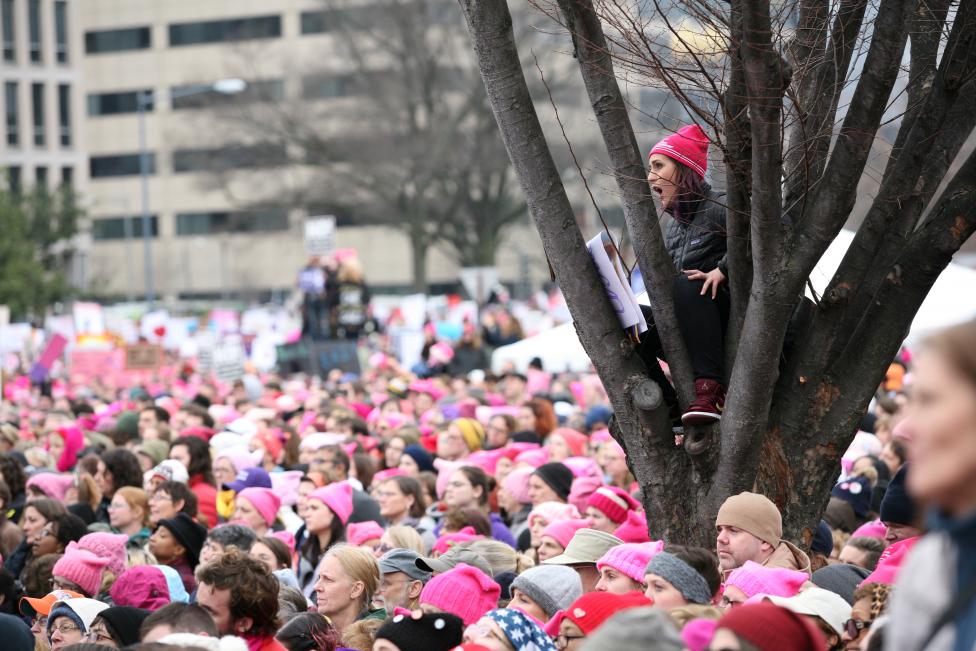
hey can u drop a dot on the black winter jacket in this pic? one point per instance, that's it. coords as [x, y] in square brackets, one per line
[697, 240]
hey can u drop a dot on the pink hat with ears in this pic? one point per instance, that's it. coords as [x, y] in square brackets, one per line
[753, 578]
[601, 436]
[336, 496]
[359, 533]
[445, 469]
[516, 484]
[575, 440]
[264, 500]
[562, 530]
[634, 529]
[698, 633]
[52, 484]
[534, 458]
[581, 490]
[487, 460]
[552, 511]
[285, 485]
[630, 558]
[875, 529]
[448, 540]
[107, 545]
[583, 467]
[389, 473]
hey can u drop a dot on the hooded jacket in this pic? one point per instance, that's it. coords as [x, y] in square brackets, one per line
[698, 240]
[789, 556]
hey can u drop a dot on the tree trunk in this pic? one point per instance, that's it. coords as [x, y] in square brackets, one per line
[418, 257]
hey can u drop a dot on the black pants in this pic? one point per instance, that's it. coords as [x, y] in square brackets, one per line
[702, 321]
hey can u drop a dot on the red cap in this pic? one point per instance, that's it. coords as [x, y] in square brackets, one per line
[688, 146]
[771, 628]
[592, 609]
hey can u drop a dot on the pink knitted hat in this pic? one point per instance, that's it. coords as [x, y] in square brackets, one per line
[634, 530]
[688, 146]
[487, 460]
[359, 533]
[582, 488]
[517, 484]
[448, 540]
[575, 440]
[52, 484]
[464, 591]
[562, 530]
[698, 633]
[82, 568]
[583, 467]
[338, 497]
[891, 561]
[614, 502]
[552, 511]
[630, 558]
[264, 500]
[873, 529]
[753, 578]
[107, 545]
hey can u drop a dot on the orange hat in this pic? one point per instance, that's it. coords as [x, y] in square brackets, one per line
[31, 607]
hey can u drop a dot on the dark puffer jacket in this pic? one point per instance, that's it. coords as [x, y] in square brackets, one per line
[697, 240]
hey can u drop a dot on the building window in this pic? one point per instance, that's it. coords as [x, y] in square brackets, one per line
[113, 228]
[115, 103]
[101, 167]
[67, 175]
[37, 110]
[314, 22]
[12, 112]
[40, 176]
[194, 96]
[34, 29]
[229, 158]
[210, 223]
[326, 86]
[13, 179]
[9, 37]
[64, 114]
[222, 31]
[118, 40]
[61, 30]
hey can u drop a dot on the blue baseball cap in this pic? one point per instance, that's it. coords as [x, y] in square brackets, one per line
[250, 478]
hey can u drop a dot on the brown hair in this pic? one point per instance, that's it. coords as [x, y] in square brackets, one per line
[410, 486]
[361, 635]
[88, 492]
[479, 478]
[47, 507]
[253, 589]
[545, 416]
[280, 550]
[456, 519]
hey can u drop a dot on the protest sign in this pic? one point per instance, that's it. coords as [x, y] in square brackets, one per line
[320, 235]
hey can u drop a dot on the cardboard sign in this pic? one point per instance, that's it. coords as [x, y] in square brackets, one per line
[320, 235]
[229, 358]
[143, 357]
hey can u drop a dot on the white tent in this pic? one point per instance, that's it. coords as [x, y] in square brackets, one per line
[952, 300]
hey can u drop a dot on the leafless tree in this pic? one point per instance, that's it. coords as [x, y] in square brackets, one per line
[794, 94]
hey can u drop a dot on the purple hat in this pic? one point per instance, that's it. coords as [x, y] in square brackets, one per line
[249, 478]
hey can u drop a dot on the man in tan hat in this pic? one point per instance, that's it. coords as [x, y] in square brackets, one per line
[586, 547]
[750, 528]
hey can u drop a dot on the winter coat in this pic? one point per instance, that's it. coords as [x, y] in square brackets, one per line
[938, 568]
[468, 358]
[206, 500]
[697, 240]
[789, 556]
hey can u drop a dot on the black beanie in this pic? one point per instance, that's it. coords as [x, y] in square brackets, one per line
[188, 533]
[897, 505]
[431, 632]
[123, 622]
[557, 476]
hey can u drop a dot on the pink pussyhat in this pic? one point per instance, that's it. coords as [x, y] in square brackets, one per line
[487, 460]
[359, 533]
[753, 578]
[634, 528]
[562, 530]
[698, 633]
[448, 540]
[580, 493]
[464, 591]
[549, 512]
[875, 529]
[52, 484]
[583, 467]
[630, 558]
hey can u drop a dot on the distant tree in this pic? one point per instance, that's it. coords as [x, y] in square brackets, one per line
[35, 233]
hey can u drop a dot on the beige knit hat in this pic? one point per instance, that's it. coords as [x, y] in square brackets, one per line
[753, 513]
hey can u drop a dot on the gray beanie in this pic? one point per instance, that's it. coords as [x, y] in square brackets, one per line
[553, 587]
[841, 579]
[636, 629]
[682, 576]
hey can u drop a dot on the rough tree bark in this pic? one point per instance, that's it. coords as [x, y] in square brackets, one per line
[794, 401]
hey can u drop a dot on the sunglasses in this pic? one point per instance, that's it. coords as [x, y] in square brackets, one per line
[853, 627]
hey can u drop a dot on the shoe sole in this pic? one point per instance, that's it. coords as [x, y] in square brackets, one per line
[700, 418]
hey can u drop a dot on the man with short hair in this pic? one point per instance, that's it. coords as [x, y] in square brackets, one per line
[750, 528]
[177, 618]
[241, 596]
[401, 581]
[150, 417]
[222, 538]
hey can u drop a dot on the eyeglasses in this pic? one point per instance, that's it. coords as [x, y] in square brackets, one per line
[853, 627]
[39, 622]
[64, 628]
[60, 584]
[158, 497]
[562, 641]
[45, 533]
[98, 635]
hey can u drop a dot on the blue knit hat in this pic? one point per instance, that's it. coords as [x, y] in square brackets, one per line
[897, 505]
[856, 491]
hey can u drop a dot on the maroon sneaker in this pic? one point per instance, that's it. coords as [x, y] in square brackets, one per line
[708, 405]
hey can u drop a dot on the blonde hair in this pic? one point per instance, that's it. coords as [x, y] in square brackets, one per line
[361, 635]
[684, 614]
[500, 557]
[404, 537]
[136, 498]
[359, 565]
[136, 556]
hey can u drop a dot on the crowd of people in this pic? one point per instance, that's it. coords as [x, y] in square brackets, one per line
[391, 513]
